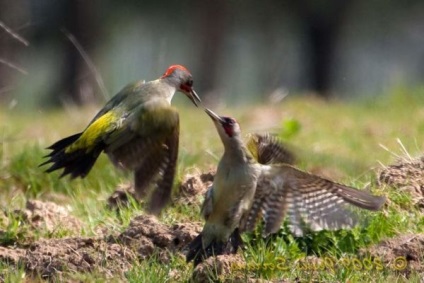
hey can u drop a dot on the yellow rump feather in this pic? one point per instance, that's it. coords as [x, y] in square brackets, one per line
[96, 129]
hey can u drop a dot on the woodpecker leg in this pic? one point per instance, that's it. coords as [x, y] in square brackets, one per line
[235, 241]
[197, 253]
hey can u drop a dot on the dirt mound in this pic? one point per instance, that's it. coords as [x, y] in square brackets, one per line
[407, 175]
[55, 258]
[194, 186]
[11, 256]
[49, 258]
[110, 256]
[49, 216]
[224, 268]
[146, 235]
[403, 253]
[217, 268]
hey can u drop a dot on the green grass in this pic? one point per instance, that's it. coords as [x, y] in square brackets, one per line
[340, 140]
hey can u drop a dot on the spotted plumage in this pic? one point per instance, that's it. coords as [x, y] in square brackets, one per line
[256, 182]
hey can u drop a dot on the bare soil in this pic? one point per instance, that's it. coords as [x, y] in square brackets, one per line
[190, 192]
[406, 174]
[110, 256]
[193, 187]
[225, 268]
[113, 255]
[403, 253]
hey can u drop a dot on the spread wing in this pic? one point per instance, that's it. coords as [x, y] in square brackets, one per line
[305, 199]
[147, 142]
[163, 189]
[128, 91]
[77, 154]
[267, 149]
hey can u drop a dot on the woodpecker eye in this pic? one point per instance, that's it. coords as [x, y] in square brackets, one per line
[229, 121]
[187, 85]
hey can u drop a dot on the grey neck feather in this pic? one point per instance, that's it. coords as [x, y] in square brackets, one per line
[236, 150]
[172, 80]
[167, 89]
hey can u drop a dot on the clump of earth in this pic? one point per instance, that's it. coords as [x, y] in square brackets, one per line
[194, 186]
[113, 254]
[403, 253]
[406, 174]
[190, 192]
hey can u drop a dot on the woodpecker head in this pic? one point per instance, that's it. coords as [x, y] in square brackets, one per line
[179, 77]
[227, 127]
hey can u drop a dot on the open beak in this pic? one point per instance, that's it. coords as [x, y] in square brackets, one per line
[192, 95]
[215, 117]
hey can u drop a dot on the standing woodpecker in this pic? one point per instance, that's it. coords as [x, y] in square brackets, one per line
[138, 129]
[244, 189]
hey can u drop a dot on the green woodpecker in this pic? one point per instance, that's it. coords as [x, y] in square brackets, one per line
[244, 189]
[139, 131]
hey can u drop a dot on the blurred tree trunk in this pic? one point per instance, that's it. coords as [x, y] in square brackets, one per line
[322, 22]
[55, 21]
[212, 30]
[77, 79]
[6, 54]
[13, 16]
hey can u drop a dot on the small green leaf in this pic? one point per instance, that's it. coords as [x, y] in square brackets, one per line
[290, 127]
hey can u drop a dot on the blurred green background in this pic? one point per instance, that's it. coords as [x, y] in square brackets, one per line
[362, 61]
[238, 51]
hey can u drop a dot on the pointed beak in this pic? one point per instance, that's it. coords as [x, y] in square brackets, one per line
[215, 117]
[192, 95]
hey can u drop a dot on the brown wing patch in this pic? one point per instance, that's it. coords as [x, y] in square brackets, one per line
[306, 199]
[153, 158]
[163, 189]
[147, 171]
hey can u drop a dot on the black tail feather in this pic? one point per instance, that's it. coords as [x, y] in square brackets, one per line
[197, 253]
[76, 163]
[56, 148]
[61, 144]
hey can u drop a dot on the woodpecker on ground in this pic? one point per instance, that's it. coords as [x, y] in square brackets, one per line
[243, 190]
[139, 130]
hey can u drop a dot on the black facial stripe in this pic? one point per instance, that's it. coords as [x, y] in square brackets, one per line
[228, 121]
